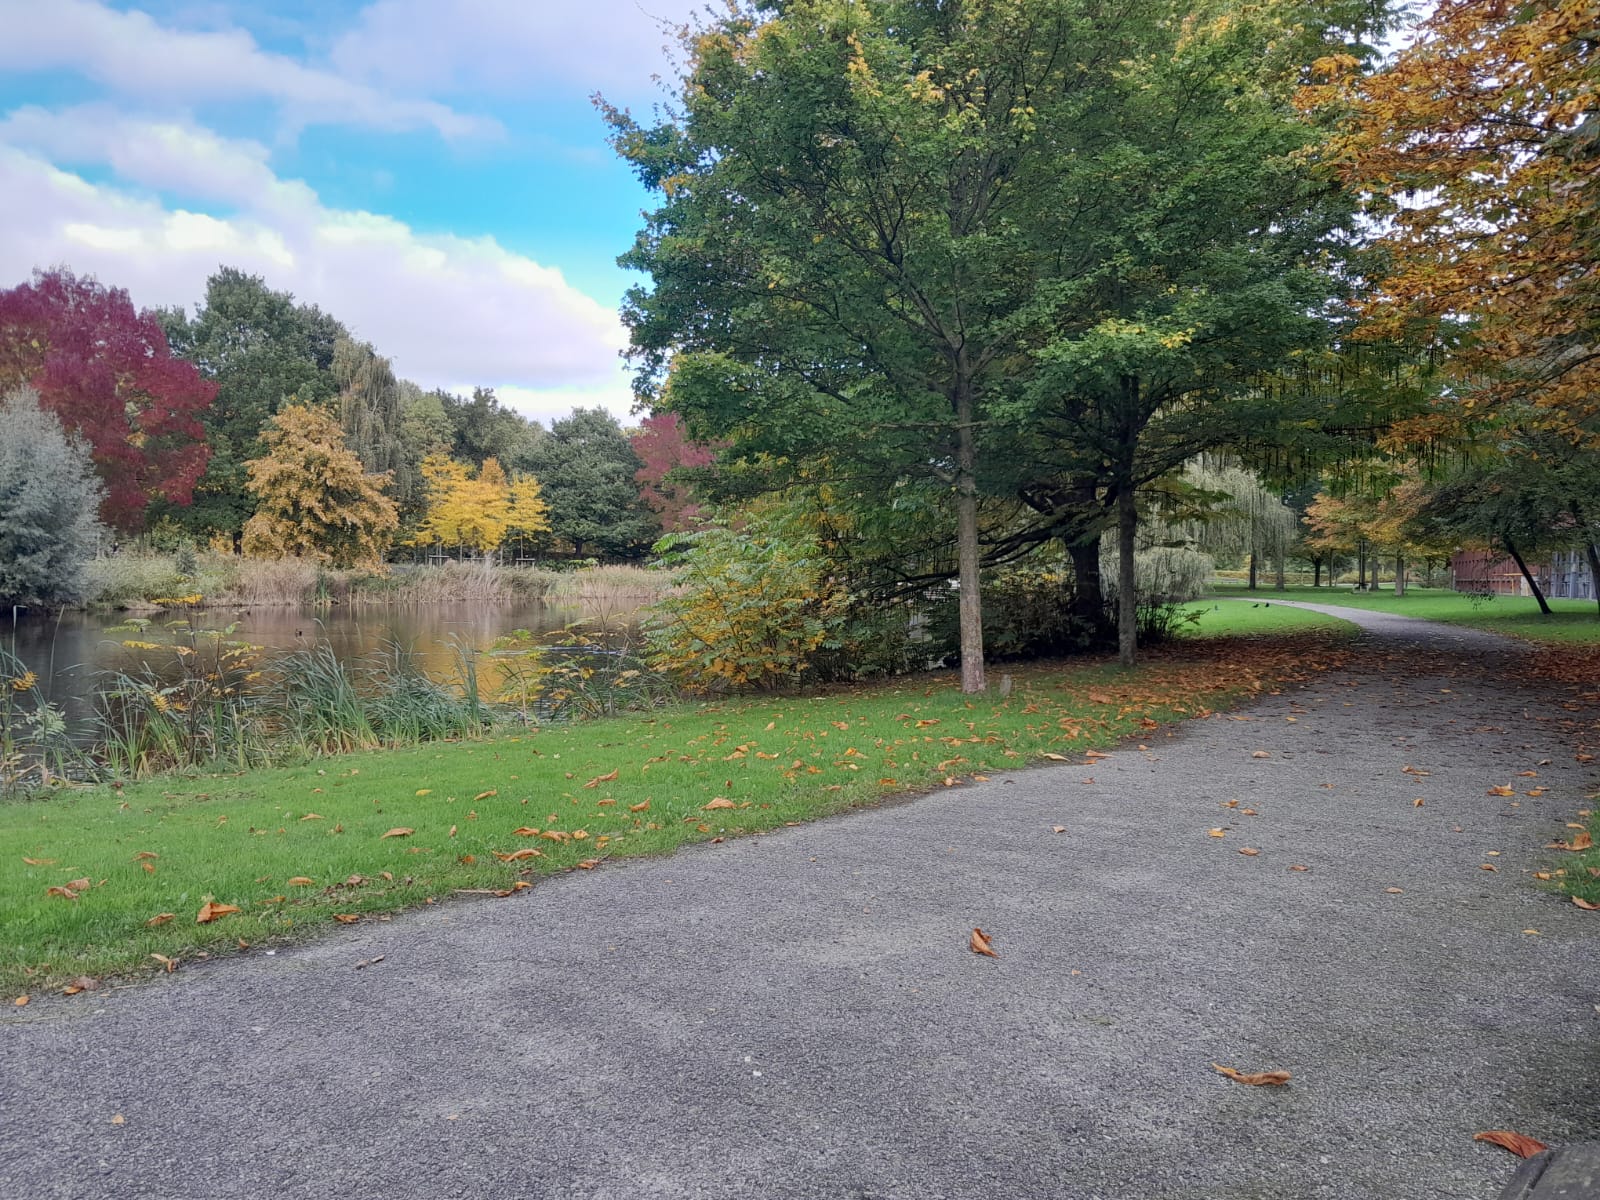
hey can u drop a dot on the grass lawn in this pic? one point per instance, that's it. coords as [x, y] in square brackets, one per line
[98, 881]
[1234, 619]
[1573, 621]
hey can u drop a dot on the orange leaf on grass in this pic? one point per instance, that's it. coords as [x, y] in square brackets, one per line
[397, 831]
[1257, 1078]
[347, 918]
[39, 862]
[65, 893]
[170, 964]
[144, 854]
[599, 779]
[211, 910]
[300, 881]
[979, 944]
[642, 806]
[486, 795]
[160, 918]
[720, 802]
[79, 885]
[517, 855]
[1519, 1144]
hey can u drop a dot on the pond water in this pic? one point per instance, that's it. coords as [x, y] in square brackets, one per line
[69, 650]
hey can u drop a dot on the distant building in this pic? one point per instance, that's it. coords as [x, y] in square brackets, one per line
[1566, 574]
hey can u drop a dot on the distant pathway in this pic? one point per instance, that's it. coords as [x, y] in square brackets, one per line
[798, 1015]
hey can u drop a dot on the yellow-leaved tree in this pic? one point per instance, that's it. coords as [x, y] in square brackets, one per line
[314, 498]
[478, 510]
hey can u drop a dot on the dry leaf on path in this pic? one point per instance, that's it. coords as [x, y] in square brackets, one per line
[397, 831]
[1256, 1079]
[1055, 757]
[979, 944]
[1058, 829]
[1395, 891]
[21, 1001]
[1217, 832]
[171, 964]
[1503, 790]
[1259, 754]
[1298, 867]
[1519, 1144]
[211, 910]
[1249, 851]
[347, 918]
[1585, 905]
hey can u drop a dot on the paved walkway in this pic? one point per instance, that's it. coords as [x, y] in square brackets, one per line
[798, 1015]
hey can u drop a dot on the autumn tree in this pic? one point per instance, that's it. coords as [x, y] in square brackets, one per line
[478, 509]
[314, 499]
[261, 349]
[1479, 147]
[48, 499]
[665, 453]
[105, 370]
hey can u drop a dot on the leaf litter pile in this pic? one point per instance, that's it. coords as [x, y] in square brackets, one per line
[100, 880]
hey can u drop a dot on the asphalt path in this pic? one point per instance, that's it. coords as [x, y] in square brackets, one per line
[799, 1015]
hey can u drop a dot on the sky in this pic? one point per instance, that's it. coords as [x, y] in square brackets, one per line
[431, 172]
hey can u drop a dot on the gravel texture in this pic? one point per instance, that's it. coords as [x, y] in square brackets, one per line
[798, 1015]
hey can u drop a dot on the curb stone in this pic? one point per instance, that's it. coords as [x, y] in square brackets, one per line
[1566, 1173]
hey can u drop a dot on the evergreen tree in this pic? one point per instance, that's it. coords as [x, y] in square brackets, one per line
[48, 499]
[587, 468]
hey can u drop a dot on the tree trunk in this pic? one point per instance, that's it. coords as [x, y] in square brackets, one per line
[972, 674]
[1088, 597]
[1127, 601]
[1252, 584]
[1361, 566]
[1399, 575]
[1591, 550]
[1316, 572]
[1282, 582]
[1533, 584]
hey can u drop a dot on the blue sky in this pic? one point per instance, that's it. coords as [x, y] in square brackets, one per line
[430, 171]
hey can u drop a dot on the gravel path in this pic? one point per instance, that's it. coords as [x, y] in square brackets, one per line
[798, 1015]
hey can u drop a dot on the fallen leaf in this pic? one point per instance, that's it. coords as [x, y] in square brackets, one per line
[150, 868]
[313, 817]
[1259, 754]
[171, 964]
[1519, 1144]
[1230, 804]
[1528, 774]
[1055, 757]
[980, 779]
[642, 806]
[1503, 790]
[1256, 1079]
[720, 802]
[1541, 874]
[211, 910]
[83, 983]
[1417, 803]
[117, 1119]
[80, 885]
[525, 831]
[66, 893]
[144, 854]
[347, 918]
[1585, 904]
[1058, 829]
[1249, 851]
[599, 779]
[160, 918]
[1298, 867]
[979, 944]
[397, 831]
[1582, 842]
[589, 864]
[21, 1001]
[424, 791]
[300, 881]
[486, 795]
[1217, 832]
[1487, 867]
[518, 855]
[1395, 891]
[39, 862]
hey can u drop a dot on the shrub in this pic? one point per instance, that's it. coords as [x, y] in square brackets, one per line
[48, 499]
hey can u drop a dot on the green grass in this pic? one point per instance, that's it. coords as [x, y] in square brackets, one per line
[1234, 618]
[239, 840]
[1573, 621]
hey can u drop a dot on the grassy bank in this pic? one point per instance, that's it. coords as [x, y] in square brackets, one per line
[1573, 621]
[138, 580]
[359, 836]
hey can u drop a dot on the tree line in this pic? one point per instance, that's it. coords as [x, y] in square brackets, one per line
[262, 425]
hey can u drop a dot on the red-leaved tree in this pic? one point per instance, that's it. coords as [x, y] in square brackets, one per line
[105, 370]
[661, 446]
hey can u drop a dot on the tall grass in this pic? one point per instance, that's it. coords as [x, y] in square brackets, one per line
[132, 580]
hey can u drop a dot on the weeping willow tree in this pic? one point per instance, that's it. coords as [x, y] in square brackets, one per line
[371, 413]
[1240, 517]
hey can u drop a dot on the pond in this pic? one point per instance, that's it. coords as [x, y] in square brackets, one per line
[69, 651]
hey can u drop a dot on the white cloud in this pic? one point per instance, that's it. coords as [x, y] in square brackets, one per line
[515, 46]
[133, 55]
[447, 309]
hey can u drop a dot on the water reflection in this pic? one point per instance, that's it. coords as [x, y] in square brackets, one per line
[68, 651]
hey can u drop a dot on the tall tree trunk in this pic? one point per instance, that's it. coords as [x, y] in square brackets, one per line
[1252, 584]
[1316, 572]
[1127, 600]
[1399, 575]
[1361, 566]
[1282, 582]
[972, 673]
[1533, 584]
[1088, 597]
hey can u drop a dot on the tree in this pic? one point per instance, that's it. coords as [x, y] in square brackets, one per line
[48, 499]
[665, 452]
[314, 499]
[106, 371]
[587, 468]
[261, 350]
[1479, 146]
[481, 429]
[986, 244]
[478, 509]
[372, 415]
